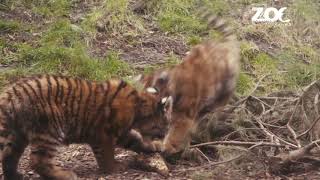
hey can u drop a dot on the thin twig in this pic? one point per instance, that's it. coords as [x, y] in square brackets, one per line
[273, 136]
[294, 134]
[309, 129]
[203, 155]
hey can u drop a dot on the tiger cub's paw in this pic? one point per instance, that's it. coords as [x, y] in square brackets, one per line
[157, 146]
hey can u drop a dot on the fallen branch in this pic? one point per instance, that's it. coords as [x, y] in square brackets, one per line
[226, 161]
[237, 143]
[298, 153]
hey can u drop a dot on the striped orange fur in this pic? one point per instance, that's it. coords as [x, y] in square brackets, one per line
[204, 81]
[47, 111]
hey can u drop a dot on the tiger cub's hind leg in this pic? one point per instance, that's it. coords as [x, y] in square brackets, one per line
[43, 151]
[11, 154]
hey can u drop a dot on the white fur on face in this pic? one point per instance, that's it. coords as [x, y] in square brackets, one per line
[151, 90]
[166, 99]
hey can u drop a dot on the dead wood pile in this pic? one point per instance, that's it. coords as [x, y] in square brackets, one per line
[284, 127]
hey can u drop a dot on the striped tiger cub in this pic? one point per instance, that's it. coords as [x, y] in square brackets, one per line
[47, 111]
[203, 82]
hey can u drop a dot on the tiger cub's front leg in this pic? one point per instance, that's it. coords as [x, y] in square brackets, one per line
[137, 143]
[103, 151]
[42, 160]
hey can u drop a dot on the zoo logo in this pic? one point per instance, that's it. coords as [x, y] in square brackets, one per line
[264, 15]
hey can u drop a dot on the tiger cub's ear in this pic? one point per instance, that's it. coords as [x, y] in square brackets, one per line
[167, 104]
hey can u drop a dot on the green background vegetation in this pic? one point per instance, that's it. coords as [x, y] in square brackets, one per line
[279, 56]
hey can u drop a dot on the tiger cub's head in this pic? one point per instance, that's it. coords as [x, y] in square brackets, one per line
[152, 113]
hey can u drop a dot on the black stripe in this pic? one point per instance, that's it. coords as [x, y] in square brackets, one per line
[49, 90]
[36, 96]
[17, 94]
[53, 116]
[132, 93]
[78, 122]
[122, 85]
[9, 96]
[57, 88]
[101, 108]
[79, 102]
[86, 111]
[87, 103]
[4, 112]
[40, 88]
[74, 96]
[61, 95]
[67, 108]
[33, 103]
[113, 111]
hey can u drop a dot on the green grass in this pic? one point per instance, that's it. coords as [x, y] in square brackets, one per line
[113, 16]
[61, 49]
[50, 8]
[179, 16]
[245, 84]
[9, 26]
[65, 47]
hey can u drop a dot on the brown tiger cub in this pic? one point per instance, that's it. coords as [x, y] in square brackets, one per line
[204, 81]
[47, 111]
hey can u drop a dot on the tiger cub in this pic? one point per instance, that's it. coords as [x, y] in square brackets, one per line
[47, 111]
[204, 81]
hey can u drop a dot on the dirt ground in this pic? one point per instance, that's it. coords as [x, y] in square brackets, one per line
[80, 159]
